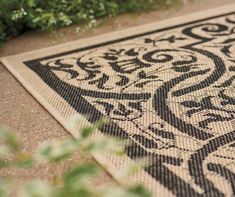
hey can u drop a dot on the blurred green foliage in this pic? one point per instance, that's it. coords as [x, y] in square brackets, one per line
[17, 16]
[76, 181]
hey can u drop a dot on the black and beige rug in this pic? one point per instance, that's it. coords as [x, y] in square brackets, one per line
[167, 86]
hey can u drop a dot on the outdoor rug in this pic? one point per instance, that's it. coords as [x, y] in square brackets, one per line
[169, 87]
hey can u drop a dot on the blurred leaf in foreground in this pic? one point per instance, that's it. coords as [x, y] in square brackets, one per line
[79, 175]
[36, 188]
[9, 138]
[57, 150]
[23, 160]
[76, 182]
[4, 183]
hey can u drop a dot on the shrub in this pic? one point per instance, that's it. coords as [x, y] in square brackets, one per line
[17, 16]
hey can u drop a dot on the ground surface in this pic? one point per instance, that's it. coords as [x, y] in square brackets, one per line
[20, 111]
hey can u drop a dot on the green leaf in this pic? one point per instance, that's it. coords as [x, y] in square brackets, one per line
[80, 174]
[57, 151]
[132, 168]
[104, 144]
[78, 192]
[118, 191]
[74, 121]
[10, 139]
[36, 188]
[4, 163]
[3, 151]
[139, 191]
[86, 132]
[4, 184]
[115, 192]
[32, 3]
[23, 160]
[102, 122]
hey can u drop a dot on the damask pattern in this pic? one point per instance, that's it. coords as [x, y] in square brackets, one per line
[171, 91]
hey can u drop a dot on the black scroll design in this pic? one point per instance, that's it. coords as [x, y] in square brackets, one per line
[122, 111]
[196, 166]
[196, 162]
[212, 111]
[210, 31]
[230, 19]
[219, 65]
[161, 107]
[91, 74]
[224, 172]
[158, 170]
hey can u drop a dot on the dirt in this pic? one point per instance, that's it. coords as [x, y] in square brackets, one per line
[21, 112]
